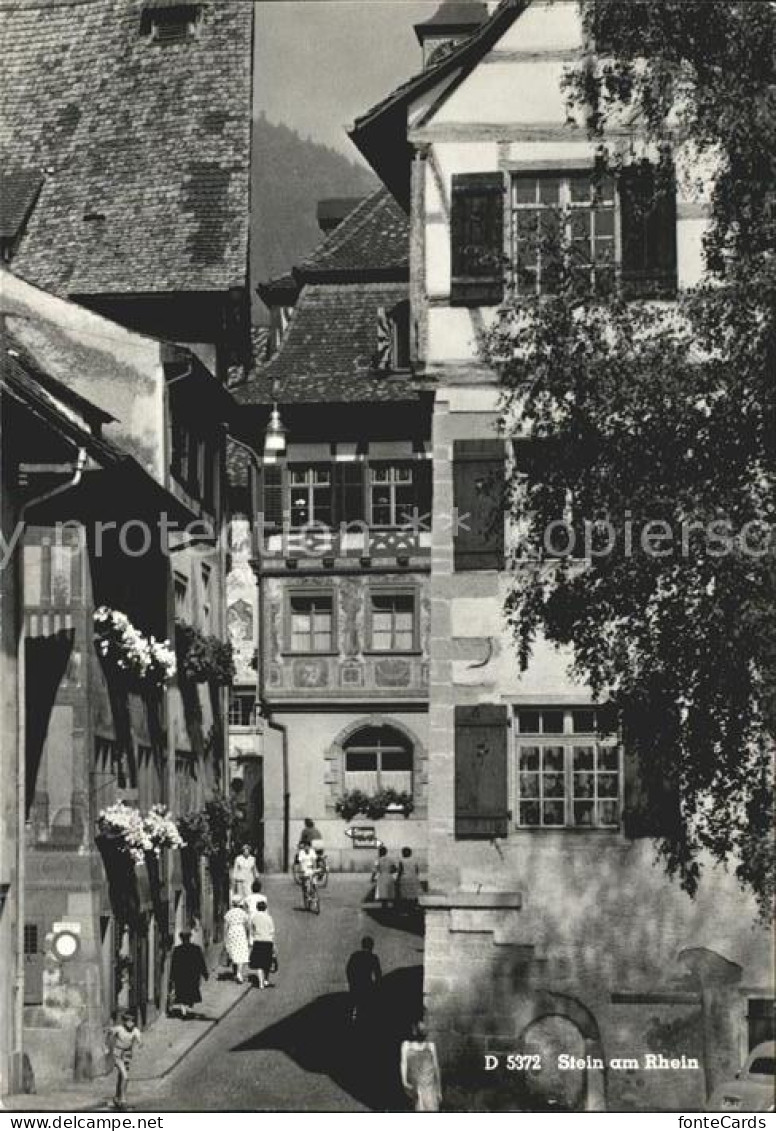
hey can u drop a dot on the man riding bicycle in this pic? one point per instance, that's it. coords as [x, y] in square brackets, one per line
[307, 865]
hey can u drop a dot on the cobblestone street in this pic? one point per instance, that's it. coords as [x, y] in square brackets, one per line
[290, 1047]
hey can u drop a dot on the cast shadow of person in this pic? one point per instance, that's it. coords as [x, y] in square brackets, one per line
[361, 1058]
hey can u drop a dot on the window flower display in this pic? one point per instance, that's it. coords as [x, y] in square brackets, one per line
[125, 825]
[161, 829]
[141, 658]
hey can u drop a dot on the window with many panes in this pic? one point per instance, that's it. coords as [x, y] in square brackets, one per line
[566, 777]
[31, 938]
[312, 627]
[391, 494]
[378, 758]
[242, 709]
[310, 495]
[392, 622]
[571, 214]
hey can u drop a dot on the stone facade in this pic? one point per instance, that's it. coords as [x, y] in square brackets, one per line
[538, 939]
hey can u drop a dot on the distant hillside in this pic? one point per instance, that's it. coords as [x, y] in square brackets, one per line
[290, 176]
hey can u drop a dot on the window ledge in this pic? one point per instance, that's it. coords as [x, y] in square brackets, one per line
[380, 654]
[530, 830]
[308, 655]
[475, 899]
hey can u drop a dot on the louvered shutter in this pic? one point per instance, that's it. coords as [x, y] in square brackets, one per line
[481, 797]
[478, 495]
[648, 222]
[651, 792]
[477, 239]
[422, 470]
[349, 496]
[271, 496]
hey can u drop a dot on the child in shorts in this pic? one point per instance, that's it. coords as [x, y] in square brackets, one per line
[122, 1039]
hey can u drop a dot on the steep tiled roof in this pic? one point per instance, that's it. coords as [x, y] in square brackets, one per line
[372, 241]
[328, 351]
[18, 192]
[381, 132]
[143, 143]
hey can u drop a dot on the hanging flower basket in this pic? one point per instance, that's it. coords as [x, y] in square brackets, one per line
[142, 660]
[124, 827]
[161, 830]
[203, 659]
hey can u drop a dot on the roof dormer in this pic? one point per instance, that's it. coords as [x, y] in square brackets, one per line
[453, 21]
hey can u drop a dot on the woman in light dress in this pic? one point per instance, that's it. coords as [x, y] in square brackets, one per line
[420, 1073]
[244, 872]
[384, 877]
[236, 936]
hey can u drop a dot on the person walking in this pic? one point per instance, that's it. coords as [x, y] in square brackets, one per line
[187, 969]
[420, 1075]
[384, 877]
[122, 1039]
[244, 872]
[256, 895]
[262, 928]
[236, 936]
[365, 977]
[408, 882]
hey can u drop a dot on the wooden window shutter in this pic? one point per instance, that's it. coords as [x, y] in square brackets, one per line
[477, 239]
[271, 495]
[349, 492]
[422, 470]
[648, 212]
[478, 497]
[651, 793]
[481, 792]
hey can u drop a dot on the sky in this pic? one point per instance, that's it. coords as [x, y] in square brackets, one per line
[321, 63]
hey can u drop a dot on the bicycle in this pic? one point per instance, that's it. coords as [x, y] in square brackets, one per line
[310, 898]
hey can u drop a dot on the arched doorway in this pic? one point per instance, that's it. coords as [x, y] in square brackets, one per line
[563, 1027]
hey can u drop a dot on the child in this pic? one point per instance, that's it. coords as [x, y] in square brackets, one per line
[122, 1039]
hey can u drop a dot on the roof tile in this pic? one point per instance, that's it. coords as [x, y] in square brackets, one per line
[113, 121]
[328, 351]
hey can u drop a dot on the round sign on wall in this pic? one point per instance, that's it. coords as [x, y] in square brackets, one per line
[66, 945]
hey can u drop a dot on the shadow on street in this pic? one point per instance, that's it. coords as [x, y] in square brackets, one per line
[363, 1059]
[410, 921]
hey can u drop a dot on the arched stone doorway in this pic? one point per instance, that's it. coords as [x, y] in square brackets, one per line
[564, 1028]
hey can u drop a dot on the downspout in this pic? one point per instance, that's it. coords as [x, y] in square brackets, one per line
[21, 777]
[266, 712]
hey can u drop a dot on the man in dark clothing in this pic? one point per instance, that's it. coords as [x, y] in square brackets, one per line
[187, 968]
[364, 978]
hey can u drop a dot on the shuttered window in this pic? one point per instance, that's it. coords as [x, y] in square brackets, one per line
[478, 487]
[477, 239]
[652, 794]
[481, 791]
[271, 496]
[648, 221]
[552, 216]
[349, 494]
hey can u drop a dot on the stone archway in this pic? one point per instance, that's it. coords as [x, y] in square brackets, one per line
[562, 1025]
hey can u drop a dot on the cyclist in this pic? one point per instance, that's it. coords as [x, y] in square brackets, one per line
[311, 835]
[307, 863]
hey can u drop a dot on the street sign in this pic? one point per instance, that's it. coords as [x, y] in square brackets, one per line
[363, 836]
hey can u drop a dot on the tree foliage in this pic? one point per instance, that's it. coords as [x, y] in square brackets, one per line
[664, 413]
